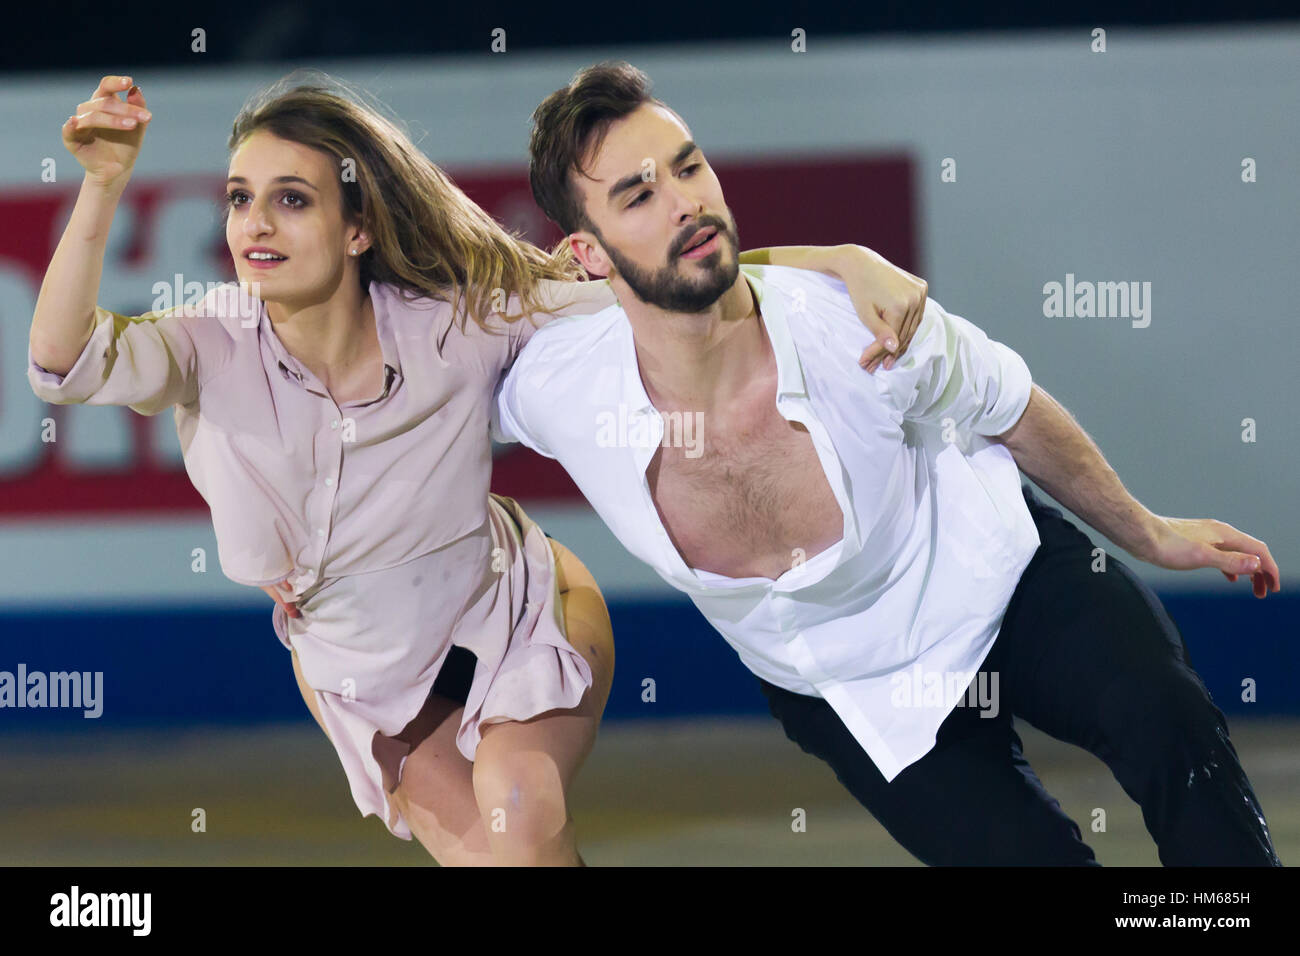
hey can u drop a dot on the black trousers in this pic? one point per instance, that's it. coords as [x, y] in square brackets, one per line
[1093, 659]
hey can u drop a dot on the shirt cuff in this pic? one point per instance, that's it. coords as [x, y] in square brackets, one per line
[86, 375]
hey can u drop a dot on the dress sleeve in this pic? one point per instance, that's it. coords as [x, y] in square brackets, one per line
[953, 370]
[148, 362]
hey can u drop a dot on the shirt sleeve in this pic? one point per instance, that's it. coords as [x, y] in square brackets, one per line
[147, 362]
[953, 370]
[509, 423]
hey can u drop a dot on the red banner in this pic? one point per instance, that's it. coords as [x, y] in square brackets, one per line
[812, 201]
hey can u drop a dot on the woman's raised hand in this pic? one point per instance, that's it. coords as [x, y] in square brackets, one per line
[105, 133]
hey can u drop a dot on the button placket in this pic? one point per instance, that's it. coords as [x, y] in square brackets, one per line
[326, 506]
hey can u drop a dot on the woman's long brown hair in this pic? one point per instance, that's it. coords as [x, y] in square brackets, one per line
[428, 237]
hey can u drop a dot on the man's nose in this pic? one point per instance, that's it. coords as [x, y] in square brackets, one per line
[686, 205]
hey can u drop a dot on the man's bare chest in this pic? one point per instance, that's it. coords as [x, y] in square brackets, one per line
[748, 498]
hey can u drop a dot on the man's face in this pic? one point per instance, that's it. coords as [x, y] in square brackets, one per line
[652, 194]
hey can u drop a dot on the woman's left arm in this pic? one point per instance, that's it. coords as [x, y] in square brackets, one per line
[890, 301]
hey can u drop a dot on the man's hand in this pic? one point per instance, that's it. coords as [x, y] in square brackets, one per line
[1181, 544]
[278, 596]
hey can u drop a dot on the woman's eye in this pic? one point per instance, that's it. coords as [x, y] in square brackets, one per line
[233, 198]
[297, 200]
[691, 167]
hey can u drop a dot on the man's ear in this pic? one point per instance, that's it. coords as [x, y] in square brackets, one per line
[586, 249]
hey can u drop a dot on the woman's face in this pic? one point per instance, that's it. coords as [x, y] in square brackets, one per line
[285, 225]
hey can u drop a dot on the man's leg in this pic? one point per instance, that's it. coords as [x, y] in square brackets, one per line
[1093, 659]
[972, 800]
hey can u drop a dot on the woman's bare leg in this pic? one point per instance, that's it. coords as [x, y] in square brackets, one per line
[308, 695]
[522, 777]
[523, 769]
[436, 793]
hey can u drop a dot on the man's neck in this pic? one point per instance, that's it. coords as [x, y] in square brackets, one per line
[697, 361]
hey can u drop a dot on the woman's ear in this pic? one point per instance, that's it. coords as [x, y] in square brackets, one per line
[358, 243]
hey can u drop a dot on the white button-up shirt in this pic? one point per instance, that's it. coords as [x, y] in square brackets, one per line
[889, 624]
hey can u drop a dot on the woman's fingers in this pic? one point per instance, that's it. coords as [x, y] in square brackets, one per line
[275, 594]
[110, 85]
[101, 119]
[111, 104]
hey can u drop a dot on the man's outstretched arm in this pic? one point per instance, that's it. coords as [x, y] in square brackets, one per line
[1049, 446]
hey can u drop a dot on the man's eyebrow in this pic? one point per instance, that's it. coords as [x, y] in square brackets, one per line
[633, 180]
[277, 179]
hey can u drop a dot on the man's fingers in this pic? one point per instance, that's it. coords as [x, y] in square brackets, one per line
[1232, 562]
[1241, 541]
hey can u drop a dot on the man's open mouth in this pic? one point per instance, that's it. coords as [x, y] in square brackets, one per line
[700, 238]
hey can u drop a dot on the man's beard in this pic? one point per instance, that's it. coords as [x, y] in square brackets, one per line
[671, 291]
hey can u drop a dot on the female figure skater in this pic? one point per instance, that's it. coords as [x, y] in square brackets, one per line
[335, 421]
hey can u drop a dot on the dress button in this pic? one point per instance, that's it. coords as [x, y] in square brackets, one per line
[329, 482]
[320, 532]
[334, 424]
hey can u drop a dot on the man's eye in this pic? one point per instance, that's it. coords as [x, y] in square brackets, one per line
[639, 199]
[691, 167]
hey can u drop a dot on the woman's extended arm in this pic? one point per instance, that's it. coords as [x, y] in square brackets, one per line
[105, 137]
[887, 299]
[890, 301]
[77, 351]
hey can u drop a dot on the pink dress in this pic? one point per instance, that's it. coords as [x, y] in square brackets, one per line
[377, 511]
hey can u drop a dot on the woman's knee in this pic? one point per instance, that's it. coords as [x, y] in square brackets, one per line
[522, 802]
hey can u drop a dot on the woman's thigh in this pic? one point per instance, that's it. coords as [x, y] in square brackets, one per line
[308, 695]
[436, 792]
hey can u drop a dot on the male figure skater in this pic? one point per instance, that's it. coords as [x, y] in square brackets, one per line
[862, 540]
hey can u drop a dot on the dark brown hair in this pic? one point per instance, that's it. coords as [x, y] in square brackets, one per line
[569, 127]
